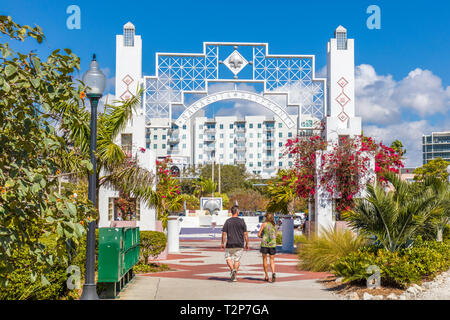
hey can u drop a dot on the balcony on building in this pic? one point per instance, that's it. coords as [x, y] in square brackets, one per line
[269, 168]
[173, 139]
[173, 150]
[269, 159]
[209, 148]
[240, 147]
[239, 128]
[240, 138]
[268, 138]
[209, 138]
[239, 161]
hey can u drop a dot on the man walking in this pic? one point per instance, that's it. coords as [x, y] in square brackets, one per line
[234, 232]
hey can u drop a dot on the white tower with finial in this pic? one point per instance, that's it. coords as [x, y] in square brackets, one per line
[341, 119]
[128, 62]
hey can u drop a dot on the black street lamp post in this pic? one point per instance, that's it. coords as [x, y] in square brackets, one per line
[95, 80]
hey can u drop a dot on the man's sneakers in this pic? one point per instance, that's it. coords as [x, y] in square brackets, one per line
[233, 275]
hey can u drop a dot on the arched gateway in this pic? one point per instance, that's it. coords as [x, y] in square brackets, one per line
[170, 121]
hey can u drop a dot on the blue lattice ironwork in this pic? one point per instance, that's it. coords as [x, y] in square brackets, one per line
[178, 74]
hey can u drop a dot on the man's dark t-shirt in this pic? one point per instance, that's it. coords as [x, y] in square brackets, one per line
[235, 228]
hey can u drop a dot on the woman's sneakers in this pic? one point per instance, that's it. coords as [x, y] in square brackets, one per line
[233, 275]
[274, 277]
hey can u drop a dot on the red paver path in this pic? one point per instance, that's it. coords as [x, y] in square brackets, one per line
[204, 260]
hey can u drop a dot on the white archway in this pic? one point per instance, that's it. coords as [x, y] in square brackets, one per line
[235, 94]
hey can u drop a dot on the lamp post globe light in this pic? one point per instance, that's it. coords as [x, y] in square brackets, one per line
[95, 81]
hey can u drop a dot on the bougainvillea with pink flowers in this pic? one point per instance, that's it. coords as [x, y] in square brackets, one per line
[342, 167]
[167, 189]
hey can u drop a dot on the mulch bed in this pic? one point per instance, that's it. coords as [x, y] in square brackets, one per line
[347, 288]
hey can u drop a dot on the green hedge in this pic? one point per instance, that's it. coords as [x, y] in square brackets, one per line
[21, 287]
[422, 261]
[152, 243]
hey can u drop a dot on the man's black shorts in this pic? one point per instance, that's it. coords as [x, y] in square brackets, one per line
[270, 251]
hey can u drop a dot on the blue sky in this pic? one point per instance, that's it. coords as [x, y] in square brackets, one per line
[408, 55]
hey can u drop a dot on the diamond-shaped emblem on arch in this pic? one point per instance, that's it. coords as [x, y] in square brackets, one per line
[343, 116]
[127, 80]
[342, 82]
[235, 62]
[342, 99]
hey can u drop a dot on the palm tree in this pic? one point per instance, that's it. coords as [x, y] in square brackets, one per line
[119, 171]
[282, 192]
[204, 186]
[395, 216]
[433, 228]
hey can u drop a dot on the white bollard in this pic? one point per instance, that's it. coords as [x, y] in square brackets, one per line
[173, 235]
[288, 235]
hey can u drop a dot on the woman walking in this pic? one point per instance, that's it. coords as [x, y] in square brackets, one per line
[268, 233]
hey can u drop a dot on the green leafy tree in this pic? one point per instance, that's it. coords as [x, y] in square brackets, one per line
[397, 145]
[434, 168]
[31, 203]
[232, 177]
[282, 192]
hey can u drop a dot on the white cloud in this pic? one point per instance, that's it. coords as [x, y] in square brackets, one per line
[422, 91]
[382, 100]
[409, 133]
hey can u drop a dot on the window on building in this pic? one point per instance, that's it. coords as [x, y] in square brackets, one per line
[250, 125]
[231, 145]
[259, 125]
[231, 136]
[251, 144]
[221, 126]
[184, 145]
[231, 126]
[251, 155]
[280, 164]
[251, 135]
[221, 145]
[259, 164]
[259, 155]
[231, 156]
[163, 146]
[184, 136]
[280, 125]
[290, 134]
[200, 126]
[200, 145]
[164, 137]
[280, 134]
[155, 137]
[127, 143]
[259, 144]
[290, 163]
[280, 144]
[200, 156]
[200, 136]
[221, 156]
[251, 164]
[341, 40]
[128, 36]
[155, 146]
[221, 136]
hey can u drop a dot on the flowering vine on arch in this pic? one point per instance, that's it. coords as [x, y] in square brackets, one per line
[342, 168]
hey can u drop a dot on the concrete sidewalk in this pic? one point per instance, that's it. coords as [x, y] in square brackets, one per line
[199, 272]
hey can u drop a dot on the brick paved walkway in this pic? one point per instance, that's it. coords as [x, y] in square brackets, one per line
[199, 272]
